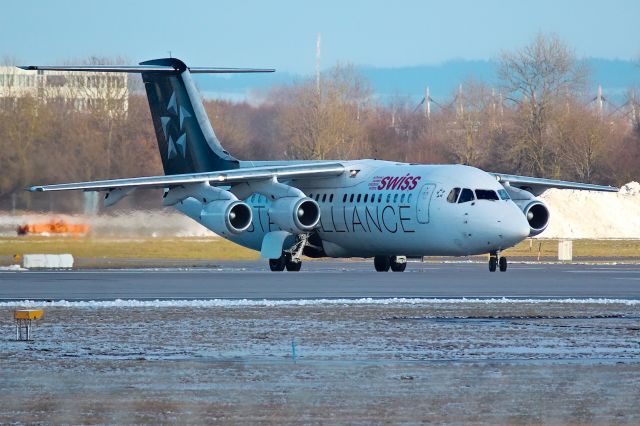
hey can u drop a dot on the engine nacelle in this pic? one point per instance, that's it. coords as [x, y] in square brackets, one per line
[225, 217]
[537, 215]
[295, 214]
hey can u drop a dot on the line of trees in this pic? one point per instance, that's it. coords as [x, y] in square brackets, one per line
[537, 122]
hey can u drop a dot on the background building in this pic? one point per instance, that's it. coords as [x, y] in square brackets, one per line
[84, 91]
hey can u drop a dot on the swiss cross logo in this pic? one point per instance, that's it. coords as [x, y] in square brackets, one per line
[400, 183]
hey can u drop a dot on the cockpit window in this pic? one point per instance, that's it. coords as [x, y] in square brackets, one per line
[453, 195]
[466, 196]
[504, 195]
[486, 194]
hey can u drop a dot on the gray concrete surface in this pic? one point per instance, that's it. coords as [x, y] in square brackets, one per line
[326, 279]
[432, 362]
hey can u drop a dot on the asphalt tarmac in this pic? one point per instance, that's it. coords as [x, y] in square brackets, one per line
[327, 279]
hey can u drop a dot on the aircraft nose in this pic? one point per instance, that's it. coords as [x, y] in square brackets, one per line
[516, 228]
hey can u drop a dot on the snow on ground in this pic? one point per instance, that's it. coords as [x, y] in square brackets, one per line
[589, 214]
[141, 223]
[232, 303]
[574, 215]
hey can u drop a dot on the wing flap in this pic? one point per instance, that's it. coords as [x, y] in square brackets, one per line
[227, 177]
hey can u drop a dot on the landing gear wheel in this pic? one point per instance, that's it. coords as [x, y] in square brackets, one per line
[397, 265]
[502, 264]
[382, 263]
[277, 265]
[493, 262]
[293, 266]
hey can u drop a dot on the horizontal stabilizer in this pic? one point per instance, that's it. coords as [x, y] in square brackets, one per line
[141, 69]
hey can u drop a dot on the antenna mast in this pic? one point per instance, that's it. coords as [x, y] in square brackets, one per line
[318, 41]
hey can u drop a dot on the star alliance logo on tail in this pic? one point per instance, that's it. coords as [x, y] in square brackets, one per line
[180, 144]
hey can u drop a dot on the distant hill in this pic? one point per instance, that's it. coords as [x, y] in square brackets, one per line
[616, 77]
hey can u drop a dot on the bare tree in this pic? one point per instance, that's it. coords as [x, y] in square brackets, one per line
[325, 124]
[538, 79]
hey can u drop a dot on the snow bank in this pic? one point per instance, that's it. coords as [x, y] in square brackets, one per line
[139, 223]
[230, 303]
[589, 214]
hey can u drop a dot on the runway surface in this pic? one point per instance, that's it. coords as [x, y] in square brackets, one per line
[539, 344]
[327, 279]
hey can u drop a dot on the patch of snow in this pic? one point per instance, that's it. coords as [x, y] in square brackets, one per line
[224, 303]
[13, 268]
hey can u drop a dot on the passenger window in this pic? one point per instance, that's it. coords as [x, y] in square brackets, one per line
[465, 196]
[486, 194]
[409, 198]
[379, 198]
[395, 198]
[504, 195]
[358, 199]
[453, 195]
[366, 197]
[324, 197]
[402, 198]
[388, 198]
[331, 198]
[373, 198]
[344, 198]
[351, 198]
[310, 195]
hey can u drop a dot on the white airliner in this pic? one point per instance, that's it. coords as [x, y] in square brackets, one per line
[286, 209]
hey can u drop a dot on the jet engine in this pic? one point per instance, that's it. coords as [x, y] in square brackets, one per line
[225, 217]
[537, 215]
[295, 214]
[535, 211]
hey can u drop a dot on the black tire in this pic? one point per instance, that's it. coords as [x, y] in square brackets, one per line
[293, 266]
[502, 264]
[382, 263]
[493, 262]
[277, 265]
[397, 266]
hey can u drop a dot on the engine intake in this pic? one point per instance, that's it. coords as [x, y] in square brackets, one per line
[226, 217]
[295, 214]
[537, 215]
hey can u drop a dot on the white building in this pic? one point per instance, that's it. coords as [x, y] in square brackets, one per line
[83, 90]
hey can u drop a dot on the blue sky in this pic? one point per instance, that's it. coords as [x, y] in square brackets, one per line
[282, 34]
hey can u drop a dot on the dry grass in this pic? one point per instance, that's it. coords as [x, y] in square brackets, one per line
[221, 249]
[581, 248]
[134, 248]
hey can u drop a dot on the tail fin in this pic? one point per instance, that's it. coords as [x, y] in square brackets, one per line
[186, 139]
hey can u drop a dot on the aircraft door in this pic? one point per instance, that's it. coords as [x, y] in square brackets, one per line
[424, 200]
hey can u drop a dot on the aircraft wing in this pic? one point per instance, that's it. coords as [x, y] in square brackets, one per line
[539, 185]
[226, 177]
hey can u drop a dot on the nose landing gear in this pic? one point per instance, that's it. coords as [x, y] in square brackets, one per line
[495, 260]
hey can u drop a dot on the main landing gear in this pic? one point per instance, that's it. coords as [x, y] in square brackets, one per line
[395, 263]
[291, 258]
[285, 262]
[495, 260]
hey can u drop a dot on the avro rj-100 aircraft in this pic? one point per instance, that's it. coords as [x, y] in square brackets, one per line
[286, 209]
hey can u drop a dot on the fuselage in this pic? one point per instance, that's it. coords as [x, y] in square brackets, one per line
[387, 208]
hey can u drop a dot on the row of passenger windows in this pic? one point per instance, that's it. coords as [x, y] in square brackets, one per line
[465, 195]
[364, 198]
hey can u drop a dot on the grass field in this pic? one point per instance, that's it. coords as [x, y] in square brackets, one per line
[221, 249]
[133, 248]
